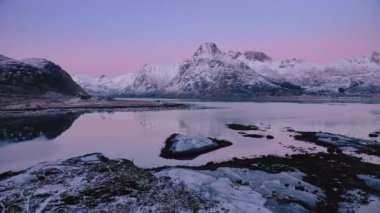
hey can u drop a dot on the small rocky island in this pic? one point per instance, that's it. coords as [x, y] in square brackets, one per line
[182, 147]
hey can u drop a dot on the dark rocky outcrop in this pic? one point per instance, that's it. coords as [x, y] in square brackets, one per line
[191, 146]
[35, 77]
[338, 143]
[257, 56]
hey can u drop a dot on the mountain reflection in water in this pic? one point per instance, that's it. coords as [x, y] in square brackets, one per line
[28, 128]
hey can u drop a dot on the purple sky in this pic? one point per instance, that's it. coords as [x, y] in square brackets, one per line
[114, 37]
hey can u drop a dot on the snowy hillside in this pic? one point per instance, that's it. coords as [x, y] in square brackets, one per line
[354, 76]
[35, 77]
[212, 72]
[153, 78]
[105, 86]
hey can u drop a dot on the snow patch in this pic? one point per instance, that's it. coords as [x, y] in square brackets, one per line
[243, 190]
[183, 143]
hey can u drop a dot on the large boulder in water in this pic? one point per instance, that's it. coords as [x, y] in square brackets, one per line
[185, 147]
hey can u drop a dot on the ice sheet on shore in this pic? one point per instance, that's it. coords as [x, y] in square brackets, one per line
[243, 190]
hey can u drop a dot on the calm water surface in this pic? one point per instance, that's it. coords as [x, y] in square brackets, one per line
[139, 136]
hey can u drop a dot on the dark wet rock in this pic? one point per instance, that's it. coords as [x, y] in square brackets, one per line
[269, 137]
[337, 143]
[373, 135]
[242, 127]
[94, 183]
[334, 150]
[27, 128]
[184, 147]
[253, 136]
[300, 187]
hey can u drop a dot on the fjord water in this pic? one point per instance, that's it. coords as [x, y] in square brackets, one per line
[140, 136]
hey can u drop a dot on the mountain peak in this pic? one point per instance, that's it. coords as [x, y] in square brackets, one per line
[36, 62]
[207, 48]
[6, 60]
[257, 56]
[375, 57]
[3, 57]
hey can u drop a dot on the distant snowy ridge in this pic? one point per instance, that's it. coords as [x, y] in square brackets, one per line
[211, 72]
[105, 86]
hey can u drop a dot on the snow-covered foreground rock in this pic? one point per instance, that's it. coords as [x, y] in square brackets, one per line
[179, 146]
[244, 190]
[211, 72]
[93, 183]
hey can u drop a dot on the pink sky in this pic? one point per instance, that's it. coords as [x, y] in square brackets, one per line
[115, 37]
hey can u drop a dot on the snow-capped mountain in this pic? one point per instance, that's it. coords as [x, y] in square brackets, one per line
[35, 77]
[105, 86]
[149, 81]
[354, 76]
[152, 79]
[212, 72]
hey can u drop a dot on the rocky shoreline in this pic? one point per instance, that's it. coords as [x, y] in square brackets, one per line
[92, 183]
[299, 183]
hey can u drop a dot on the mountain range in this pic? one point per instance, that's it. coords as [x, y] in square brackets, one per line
[208, 73]
[211, 72]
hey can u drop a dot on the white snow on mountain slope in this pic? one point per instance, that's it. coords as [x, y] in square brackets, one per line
[4, 60]
[105, 86]
[354, 75]
[36, 62]
[153, 78]
[10, 63]
[211, 71]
